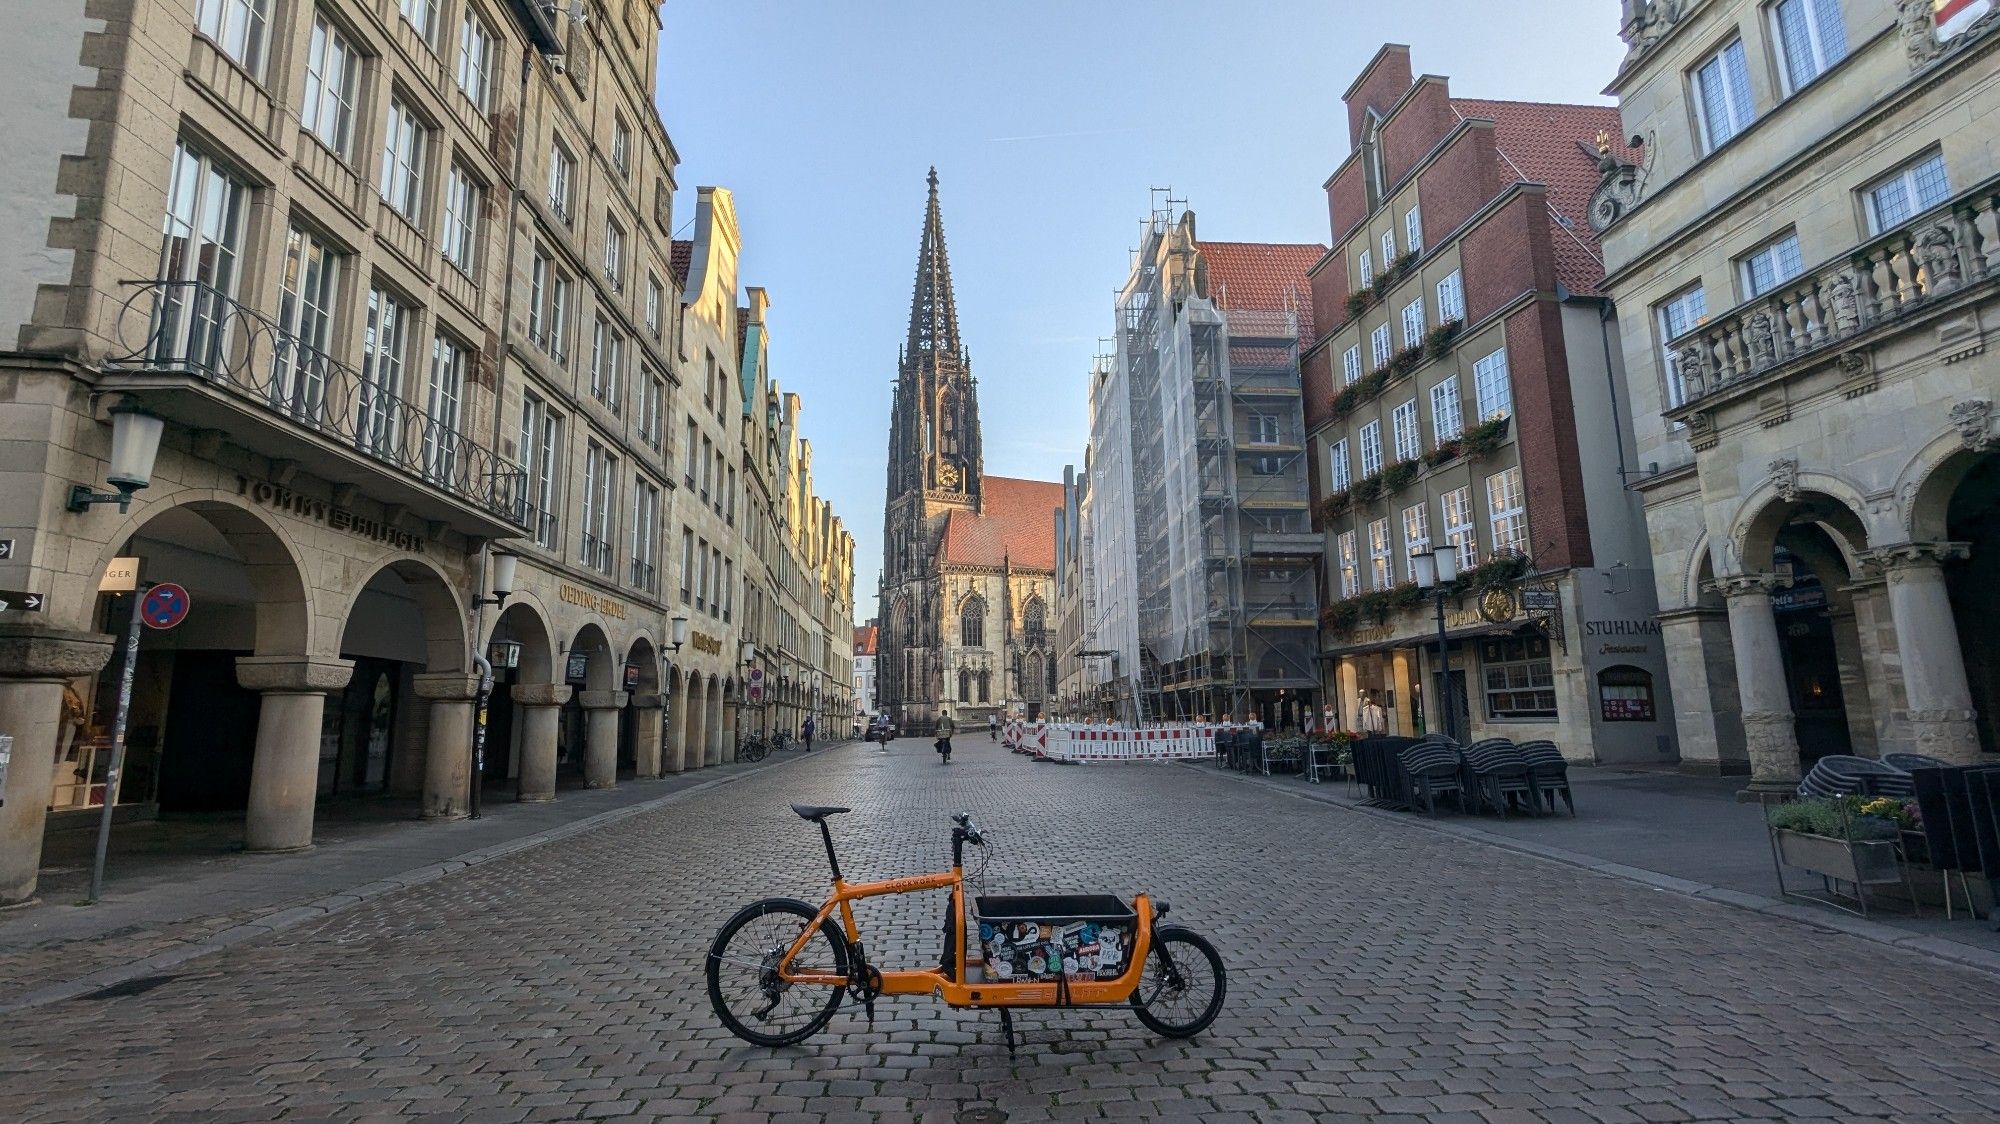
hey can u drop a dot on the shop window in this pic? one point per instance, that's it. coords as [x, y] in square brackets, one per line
[1520, 681]
[1625, 694]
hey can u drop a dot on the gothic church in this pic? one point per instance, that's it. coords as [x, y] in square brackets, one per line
[968, 560]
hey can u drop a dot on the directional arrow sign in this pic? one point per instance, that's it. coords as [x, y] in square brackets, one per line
[21, 601]
[6, 549]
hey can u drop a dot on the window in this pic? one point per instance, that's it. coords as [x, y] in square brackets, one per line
[715, 577]
[299, 364]
[1378, 344]
[718, 480]
[621, 146]
[1367, 266]
[1625, 694]
[1451, 298]
[1413, 230]
[1371, 449]
[1262, 429]
[687, 566]
[538, 295]
[1350, 366]
[562, 181]
[1507, 512]
[1416, 537]
[1446, 422]
[236, 26]
[200, 239]
[447, 390]
[708, 380]
[607, 357]
[1379, 554]
[383, 342]
[1350, 566]
[541, 454]
[420, 14]
[1722, 96]
[1520, 683]
[1034, 623]
[653, 397]
[599, 494]
[332, 68]
[707, 467]
[1913, 188]
[1336, 459]
[1811, 38]
[614, 255]
[1388, 249]
[655, 297]
[729, 500]
[728, 587]
[645, 516]
[403, 143]
[1771, 265]
[475, 58]
[460, 241]
[1413, 323]
[972, 624]
[1403, 420]
[687, 473]
[1457, 507]
[1490, 383]
[1678, 316]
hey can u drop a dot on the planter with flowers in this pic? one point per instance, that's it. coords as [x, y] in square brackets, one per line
[1846, 845]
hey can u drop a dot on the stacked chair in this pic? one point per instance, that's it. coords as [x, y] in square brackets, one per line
[1433, 770]
[1496, 773]
[1842, 775]
[1548, 774]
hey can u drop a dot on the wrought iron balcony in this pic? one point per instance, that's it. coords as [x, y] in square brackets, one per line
[1898, 276]
[195, 356]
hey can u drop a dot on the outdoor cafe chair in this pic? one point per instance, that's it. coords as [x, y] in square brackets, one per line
[1911, 762]
[1433, 771]
[1548, 774]
[1842, 775]
[1497, 773]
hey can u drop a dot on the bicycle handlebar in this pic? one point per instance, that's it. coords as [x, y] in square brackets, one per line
[968, 829]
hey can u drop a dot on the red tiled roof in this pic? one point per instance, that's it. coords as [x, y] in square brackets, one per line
[1555, 145]
[681, 260]
[1263, 275]
[1017, 525]
[865, 637]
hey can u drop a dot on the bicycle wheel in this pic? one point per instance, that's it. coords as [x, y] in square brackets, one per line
[1181, 990]
[743, 983]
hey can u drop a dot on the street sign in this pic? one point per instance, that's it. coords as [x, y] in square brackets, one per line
[164, 606]
[1538, 600]
[6, 549]
[120, 576]
[21, 601]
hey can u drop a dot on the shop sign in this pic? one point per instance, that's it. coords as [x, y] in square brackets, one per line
[1638, 626]
[705, 643]
[1810, 597]
[576, 670]
[595, 602]
[279, 498]
[1538, 600]
[631, 676]
[121, 575]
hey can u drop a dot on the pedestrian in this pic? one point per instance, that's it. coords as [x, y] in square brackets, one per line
[945, 729]
[993, 727]
[806, 732]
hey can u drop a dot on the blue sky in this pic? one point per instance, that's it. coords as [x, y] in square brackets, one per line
[1048, 122]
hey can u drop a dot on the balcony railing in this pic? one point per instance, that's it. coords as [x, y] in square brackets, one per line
[190, 329]
[1893, 277]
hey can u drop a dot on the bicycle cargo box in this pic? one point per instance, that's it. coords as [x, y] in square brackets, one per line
[1045, 937]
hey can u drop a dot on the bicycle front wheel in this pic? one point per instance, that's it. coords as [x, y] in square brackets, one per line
[1181, 990]
[743, 983]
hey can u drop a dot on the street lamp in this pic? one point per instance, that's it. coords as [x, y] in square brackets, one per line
[678, 629]
[504, 565]
[135, 445]
[1435, 571]
[747, 655]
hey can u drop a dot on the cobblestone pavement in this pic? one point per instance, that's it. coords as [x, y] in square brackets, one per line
[1375, 971]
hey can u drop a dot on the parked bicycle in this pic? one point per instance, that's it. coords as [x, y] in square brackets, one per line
[780, 967]
[779, 740]
[753, 749]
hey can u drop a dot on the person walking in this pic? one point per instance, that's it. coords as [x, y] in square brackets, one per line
[806, 732]
[945, 729]
[993, 727]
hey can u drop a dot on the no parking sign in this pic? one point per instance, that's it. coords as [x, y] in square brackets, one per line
[164, 606]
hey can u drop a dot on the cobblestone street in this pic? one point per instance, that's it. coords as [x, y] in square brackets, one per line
[1376, 971]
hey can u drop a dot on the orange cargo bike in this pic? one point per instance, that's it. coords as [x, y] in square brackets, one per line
[780, 967]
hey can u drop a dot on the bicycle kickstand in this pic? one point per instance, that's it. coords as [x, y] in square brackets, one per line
[1007, 1029]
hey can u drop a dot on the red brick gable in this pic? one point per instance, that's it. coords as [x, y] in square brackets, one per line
[1016, 525]
[1556, 144]
[866, 638]
[1263, 275]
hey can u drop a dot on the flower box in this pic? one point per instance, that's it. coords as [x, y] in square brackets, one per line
[1863, 862]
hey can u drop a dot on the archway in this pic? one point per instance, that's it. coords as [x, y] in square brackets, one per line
[694, 723]
[639, 720]
[712, 723]
[674, 755]
[524, 711]
[404, 632]
[589, 749]
[1955, 527]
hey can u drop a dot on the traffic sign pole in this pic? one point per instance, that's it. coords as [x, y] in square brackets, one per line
[117, 743]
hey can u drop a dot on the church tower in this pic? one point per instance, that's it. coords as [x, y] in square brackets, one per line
[936, 466]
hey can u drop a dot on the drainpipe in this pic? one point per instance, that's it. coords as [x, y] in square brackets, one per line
[1606, 313]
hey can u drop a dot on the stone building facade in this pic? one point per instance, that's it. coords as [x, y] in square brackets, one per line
[967, 598]
[398, 277]
[1463, 395]
[1804, 253]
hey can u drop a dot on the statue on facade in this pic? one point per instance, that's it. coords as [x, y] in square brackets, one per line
[1917, 23]
[1937, 248]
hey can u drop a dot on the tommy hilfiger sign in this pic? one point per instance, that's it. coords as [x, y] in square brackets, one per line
[280, 498]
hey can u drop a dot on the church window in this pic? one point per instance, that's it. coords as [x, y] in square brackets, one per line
[972, 623]
[964, 685]
[985, 686]
[1034, 623]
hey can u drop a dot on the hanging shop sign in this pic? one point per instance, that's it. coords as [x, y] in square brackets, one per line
[121, 575]
[280, 498]
[631, 676]
[596, 602]
[576, 670]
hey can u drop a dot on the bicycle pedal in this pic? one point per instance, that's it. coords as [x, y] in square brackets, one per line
[870, 1007]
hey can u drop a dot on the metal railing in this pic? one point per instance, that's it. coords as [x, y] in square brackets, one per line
[193, 329]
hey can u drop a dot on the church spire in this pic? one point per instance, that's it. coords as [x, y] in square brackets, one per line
[933, 314]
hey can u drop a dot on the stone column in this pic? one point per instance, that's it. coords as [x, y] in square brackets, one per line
[541, 713]
[448, 750]
[1853, 682]
[600, 737]
[1769, 734]
[677, 723]
[712, 725]
[284, 774]
[694, 745]
[1881, 661]
[35, 662]
[646, 735]
[1701, 676]
[730, 713]
[1940, 713]
[1403, 680]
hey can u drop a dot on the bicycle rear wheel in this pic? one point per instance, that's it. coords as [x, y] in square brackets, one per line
[743, 983]
[1181, 990]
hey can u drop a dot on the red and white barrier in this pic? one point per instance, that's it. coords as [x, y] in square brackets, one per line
[1101, 744]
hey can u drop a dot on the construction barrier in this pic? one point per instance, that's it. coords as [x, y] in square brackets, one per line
[1101, 744]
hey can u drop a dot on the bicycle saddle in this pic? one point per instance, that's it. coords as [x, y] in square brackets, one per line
[815, 813]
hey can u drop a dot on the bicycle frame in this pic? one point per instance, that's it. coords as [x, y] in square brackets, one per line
[958, 992]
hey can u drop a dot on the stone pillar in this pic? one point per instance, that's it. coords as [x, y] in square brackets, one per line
[35, 662]
[541, 713]
[448, 750]
[1881, 661]
[1940, 709]
[1769, 734]
[1853, 682]
[1701, 676]
[695, 724]
[1349, 704]
[1403, 680]
[677, 729]
[284, 774]
[600, 737]
[730, 713]
[712, 725]
[646, 748]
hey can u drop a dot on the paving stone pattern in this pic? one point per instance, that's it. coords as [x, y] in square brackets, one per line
[1376, 971]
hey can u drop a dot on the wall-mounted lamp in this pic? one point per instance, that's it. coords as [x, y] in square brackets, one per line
[678, 625]
[747, 654]
[504, 566]
[135, 445]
